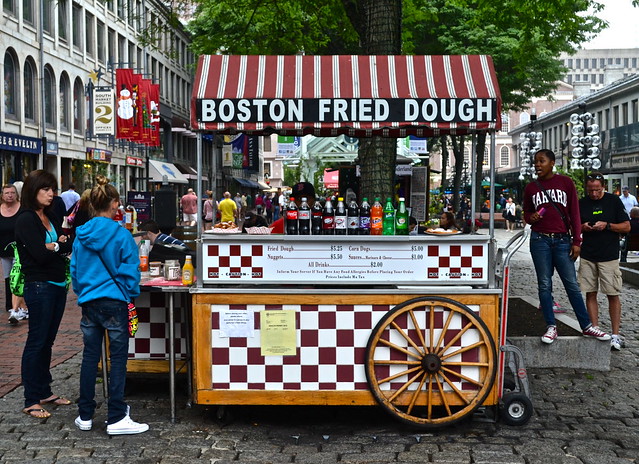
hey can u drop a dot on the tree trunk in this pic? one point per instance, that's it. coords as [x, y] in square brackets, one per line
[379, 25]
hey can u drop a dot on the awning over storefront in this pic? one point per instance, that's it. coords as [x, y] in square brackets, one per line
[263, 186]
[357, 95]
[189, 172]
[247, 183]
[159, 169]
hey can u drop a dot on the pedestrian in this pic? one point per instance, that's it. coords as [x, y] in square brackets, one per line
[238, 201]
[551, 208]
[277, 204]
[603, 218]
[228, 208]
[70, 197]
[106, 277]
[510, 213]
[209, 211]
[188, 203]
[259, 204]
[268, 208]
[628, 199]
[632, 235]
[9, 211]
[41, 246]
[244, 208]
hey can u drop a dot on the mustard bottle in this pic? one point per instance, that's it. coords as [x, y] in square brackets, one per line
[187, 271]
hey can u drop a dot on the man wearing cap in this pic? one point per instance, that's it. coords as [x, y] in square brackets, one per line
[299, 191]
[629, 200]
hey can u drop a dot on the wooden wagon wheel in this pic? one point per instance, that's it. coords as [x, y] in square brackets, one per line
[431, 361]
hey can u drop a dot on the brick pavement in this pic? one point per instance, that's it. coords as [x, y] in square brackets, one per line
[581, 417]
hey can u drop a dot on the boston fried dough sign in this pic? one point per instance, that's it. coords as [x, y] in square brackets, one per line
[338, 110]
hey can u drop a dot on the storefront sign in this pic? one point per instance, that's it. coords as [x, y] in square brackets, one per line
[344, 262]
[52, 148]
[349, 110]
[403, 169]
[134, 161]
[103, 114]
[97, 154]
[15, 142]
[625, 161]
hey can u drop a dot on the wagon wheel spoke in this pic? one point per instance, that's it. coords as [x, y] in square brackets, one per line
[456, 337]
[463, 377]
[400, 374]
[467, 364]
[395, 361]
[449, 319]
[459, 393]
[430, 397]
[415, 395]
[399, 348]
[440, 387]
[431, 323]
[419, 331]
[406, 337]
[403, 388]
[463, 349]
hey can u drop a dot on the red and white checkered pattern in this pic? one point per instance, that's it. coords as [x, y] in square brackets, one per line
[152, 338]
[234, 261]
[456, 262]
[331, 342]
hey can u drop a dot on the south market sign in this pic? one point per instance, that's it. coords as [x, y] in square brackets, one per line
[338, 110]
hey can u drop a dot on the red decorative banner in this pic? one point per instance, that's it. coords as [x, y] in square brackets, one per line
[125, 114]
[154, 97]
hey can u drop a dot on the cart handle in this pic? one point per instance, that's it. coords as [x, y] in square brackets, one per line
[504, 254]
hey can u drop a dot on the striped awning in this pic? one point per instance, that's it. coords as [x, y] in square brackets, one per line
[357, 95]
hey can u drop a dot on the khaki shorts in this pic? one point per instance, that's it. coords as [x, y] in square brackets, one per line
[606, 274]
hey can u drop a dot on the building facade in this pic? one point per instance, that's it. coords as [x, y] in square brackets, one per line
[54, 52]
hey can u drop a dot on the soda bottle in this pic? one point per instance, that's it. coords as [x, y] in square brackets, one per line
[304, 218]
[365, 217]
[352, 218]
[340, 217]
[291, 217]
[316, 218]
[401, 218]
[328, 218]
[376, 217]
[388, 222]
[144, 256]
[187, 271]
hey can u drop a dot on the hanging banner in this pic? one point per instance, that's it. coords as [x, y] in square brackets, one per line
[126, 110]
[154, 107]
[238, 151]
[227, 155]
[103, 116]
[143, 103]
[416, 145]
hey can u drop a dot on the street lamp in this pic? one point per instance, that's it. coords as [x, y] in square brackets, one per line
[529, 144]
[585, 141]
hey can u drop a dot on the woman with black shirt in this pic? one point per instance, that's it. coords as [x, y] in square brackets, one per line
[41, 246]
[9, 210]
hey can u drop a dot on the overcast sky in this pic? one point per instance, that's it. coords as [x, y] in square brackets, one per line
[623, 31]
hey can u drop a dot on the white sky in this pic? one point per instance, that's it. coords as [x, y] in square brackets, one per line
[623, 31]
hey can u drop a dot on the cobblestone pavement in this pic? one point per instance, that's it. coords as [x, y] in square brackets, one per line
[580, 417]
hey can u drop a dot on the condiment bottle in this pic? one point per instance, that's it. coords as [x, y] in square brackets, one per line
[187, 271]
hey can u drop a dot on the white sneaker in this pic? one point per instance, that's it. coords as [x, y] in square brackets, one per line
[550, 335]
[19, 314]
[615, 342]
[13, 316]
[83, 424]
[126, 427]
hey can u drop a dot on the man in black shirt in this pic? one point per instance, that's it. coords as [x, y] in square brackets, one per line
[603, 218]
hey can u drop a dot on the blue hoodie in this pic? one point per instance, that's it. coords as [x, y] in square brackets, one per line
[117, 247]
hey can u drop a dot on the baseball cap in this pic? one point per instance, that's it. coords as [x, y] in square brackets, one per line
[625, 188]
[303, 189]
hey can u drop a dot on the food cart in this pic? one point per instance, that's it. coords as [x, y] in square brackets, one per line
[413, 323]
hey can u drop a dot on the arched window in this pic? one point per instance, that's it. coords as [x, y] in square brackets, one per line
[49, 100]
[486, 162]
[30, 86]
[504, 156]
[467, 154]
[505, 122]
[78, 100]
[524, 117]
[10, 86]
[64, 101]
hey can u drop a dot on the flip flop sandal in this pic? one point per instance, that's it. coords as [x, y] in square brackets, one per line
[30, 411]
[58, 401]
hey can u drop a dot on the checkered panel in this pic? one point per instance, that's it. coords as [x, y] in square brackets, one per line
[152, 338]
[456, 262]
[331, 351]
[234, 261]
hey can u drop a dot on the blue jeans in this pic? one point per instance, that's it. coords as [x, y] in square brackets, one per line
[46, 307]
[98, 315]
[554, 253]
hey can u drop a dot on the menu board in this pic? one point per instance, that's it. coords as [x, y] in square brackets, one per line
[355, 261]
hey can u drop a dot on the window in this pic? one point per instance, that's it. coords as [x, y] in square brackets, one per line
[466, 155]
[570, 63]
[617, 60]
[578, 63]
[90, 35]
[626, 62]
[62, 20]
[615, 117]
[634, 62]
[486, 157]
[10, 86]
[593, 78]
[27, 11]
[63, 100]
[593, 63]
[9, 6]
[47, 20]
[602, 62]
[77, 26]
[78, 99]
[569, 79]
[49, 101]
[634, 104]
[505, 122]
[30, 86]
[111, 44]
[524, 117]
[267, 166]
[268, 147]
[601, 78]
[121, 11]
[100, 42]
[504, 156]
[624, 114]
[122, 58]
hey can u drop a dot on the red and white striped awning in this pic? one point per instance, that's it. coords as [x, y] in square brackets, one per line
[358, 95]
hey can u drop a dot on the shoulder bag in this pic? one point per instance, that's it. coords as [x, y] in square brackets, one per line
[16, 276]
[133, 313]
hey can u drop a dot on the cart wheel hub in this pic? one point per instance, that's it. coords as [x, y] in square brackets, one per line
[431, 363]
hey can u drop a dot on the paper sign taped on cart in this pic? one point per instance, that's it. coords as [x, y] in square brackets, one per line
[363, 262]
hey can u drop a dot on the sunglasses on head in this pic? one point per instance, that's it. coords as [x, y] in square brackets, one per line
[595, 177]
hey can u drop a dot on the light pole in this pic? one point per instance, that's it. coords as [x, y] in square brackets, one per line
[585, 142]
[530, 143]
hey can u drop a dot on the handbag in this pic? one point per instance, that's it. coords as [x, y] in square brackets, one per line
[16, 276]
[133, 313]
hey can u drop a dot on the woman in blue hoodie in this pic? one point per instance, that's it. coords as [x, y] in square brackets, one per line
[106, 277]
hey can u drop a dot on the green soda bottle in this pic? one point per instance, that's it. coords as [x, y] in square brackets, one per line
[388, 221]
[401, 218]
